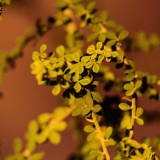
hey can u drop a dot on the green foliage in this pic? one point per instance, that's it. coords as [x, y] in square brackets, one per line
[76, 73]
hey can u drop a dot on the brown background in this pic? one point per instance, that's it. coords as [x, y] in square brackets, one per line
[24, 100]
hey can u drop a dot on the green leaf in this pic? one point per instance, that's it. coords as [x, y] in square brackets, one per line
[90, 6]
[100, 157]
[77, 87]
[71, 100]
[86, 110]
[80, 68]
[76, 56]
[56, 90]
[110, 23]
[85, 81]
[88, 99]
[70, 40]
[139, 111]
[102, 37]
[38, 156]
[131, 63]
[96, 28]
[80, 101]
[128, 86]
[140, 121]
[125, 121]
[121, 55]
[85, 59]
[89, 128]
[110, 142]
[130, 77]
[100, 58]
[138, 84]
[41, 138]
[91, 49]
[33, 126]
[123, 34]
[61, 4]
[59, 110]
[124, 106]
[7, 2]
[92, 36]
[91, 136]
[129, 126]
[127, 71]
[43, 48]
[108, 132]
[114, 54]
[127, 98]
[60, 126]
[97, 96]
[31, 145]
[111, 35]
[61, 62]
[95, 152]
[133, 143]
[130, 92]
[97, 108]
[60, 50]
[17, 145]
[69, 57]
[35, 55]
[65, 85]
[140, 73]
[54, 137]
[103, 15]
[73, 68]
[111, 42]
[10, 157]
[95, 68]
[44, 118]
[99, 45]
[89, 64]
[77, 111]
[53, 60]
[43, 55]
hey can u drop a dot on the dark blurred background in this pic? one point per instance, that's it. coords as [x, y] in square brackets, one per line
[24, 100]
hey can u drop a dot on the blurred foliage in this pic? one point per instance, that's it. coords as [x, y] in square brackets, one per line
[103, 122]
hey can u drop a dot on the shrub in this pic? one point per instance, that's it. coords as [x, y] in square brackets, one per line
[76, 73]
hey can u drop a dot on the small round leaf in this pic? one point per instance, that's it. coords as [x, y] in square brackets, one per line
[138, 84]
[43, 48]
[77, 111]
[44, 118]
[91, 49]
[54, 137]
[89, 128]
[56, 90]
[91, 136]
[139, 111]
[86, 80]
[123, 34]
[140, 121]
[95, 68]
[124, 106]
[108, 132]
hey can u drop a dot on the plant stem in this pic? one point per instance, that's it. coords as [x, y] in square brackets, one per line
[133, 112]
[52, 123]
[105, 151]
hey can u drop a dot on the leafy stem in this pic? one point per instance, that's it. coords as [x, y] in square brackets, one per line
[51, 125]
[105, 151]
[133, 107]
